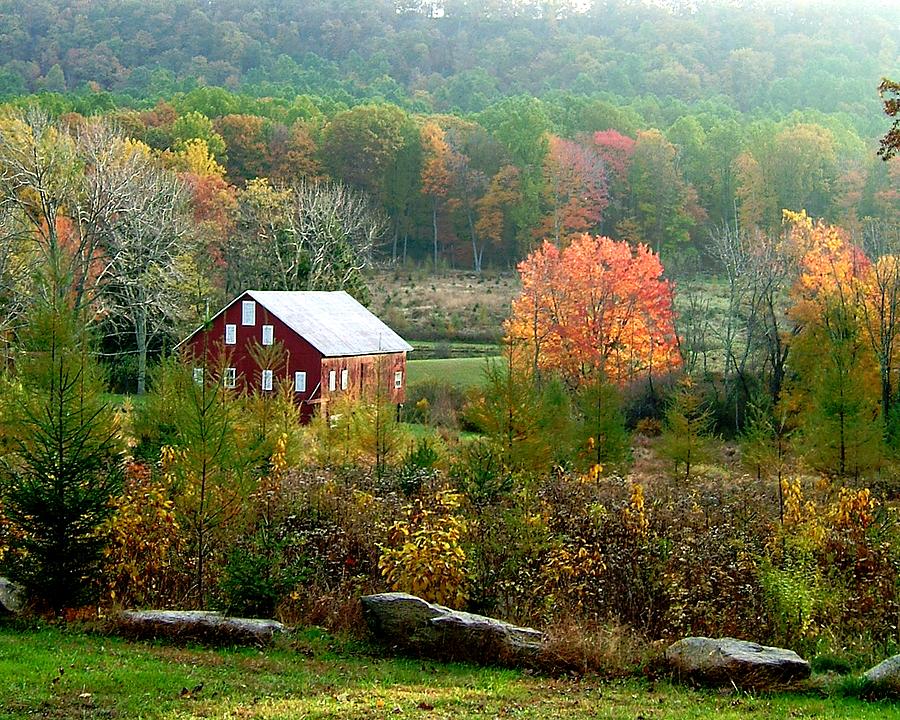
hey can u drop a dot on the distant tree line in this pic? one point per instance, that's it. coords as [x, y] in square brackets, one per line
[460, 56]
[484, 189]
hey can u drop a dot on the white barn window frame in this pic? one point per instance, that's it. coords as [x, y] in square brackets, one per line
[268, 334]
[266, 380]
[345, 378]
[230, 334]
[230, 379]
[332, 380]
[299, 381]
[398, 379]
[248, 312]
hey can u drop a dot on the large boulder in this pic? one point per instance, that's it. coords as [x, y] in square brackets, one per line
[726, 661]
[12, 597]
[412, 625]
[212, 628]
[886, 674]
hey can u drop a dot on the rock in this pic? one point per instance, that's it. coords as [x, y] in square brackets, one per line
[415, 626]
[726, 661]
[886, 674]
[12, 597]
[212, 628]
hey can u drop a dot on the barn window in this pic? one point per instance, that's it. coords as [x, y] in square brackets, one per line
[398, 379]
[230, 334]
[332, 380]
[266, 379]
[268, 334]
[299, 382]
[230, 376]
[344, 377]
[198, 376]
[248, 312]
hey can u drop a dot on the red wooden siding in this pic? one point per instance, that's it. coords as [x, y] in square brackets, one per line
[362, 372]
[297, 354]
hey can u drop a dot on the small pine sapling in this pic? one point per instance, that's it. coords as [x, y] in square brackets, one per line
[688, 427]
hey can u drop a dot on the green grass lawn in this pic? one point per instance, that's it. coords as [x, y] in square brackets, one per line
[461, 372]
[52, 673]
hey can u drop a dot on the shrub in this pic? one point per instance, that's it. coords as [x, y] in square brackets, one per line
[424, 553]
[142, 535]
[433, 402]
[260, 572]
[418, 466]
[480, 473]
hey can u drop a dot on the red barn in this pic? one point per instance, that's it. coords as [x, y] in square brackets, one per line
[324, 344]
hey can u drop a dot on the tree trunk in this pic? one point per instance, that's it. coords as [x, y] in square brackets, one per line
[140, 333]
[394, 246]
[886, 393]
[476, 256]
[599, 420]
[435, 226]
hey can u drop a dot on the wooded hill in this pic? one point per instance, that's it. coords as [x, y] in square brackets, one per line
[461, 56]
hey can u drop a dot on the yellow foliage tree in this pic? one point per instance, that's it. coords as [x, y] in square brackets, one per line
[425, 554]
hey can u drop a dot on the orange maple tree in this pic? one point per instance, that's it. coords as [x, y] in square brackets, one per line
[597, 306]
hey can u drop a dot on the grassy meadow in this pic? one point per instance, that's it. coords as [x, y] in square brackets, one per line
[52, 673]
[462, 373]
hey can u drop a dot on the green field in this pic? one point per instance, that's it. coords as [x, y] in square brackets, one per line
[461, 372]
[53, 673]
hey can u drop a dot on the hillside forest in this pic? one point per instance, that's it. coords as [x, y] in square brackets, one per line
[685, 218]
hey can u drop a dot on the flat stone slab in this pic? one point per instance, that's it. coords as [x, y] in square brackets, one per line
[414, 626]
[726, 661]
[886, 674]
[12, 598]
[201, 626]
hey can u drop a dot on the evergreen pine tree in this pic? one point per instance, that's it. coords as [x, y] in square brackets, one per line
[602, 435]
[688, 426]
[529, 422]
[842, 427]
[65, 462]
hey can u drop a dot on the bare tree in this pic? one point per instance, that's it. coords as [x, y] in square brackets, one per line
[753, 336]
[15, 262]
[310, 236]
[145, 261]
[336, 228]
[40, 179]
[101, 217]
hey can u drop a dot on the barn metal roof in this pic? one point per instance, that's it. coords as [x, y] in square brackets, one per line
[332, 322]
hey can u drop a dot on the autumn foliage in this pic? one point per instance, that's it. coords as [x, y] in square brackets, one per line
[596, 306]
[842, 336]
[575, 190]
